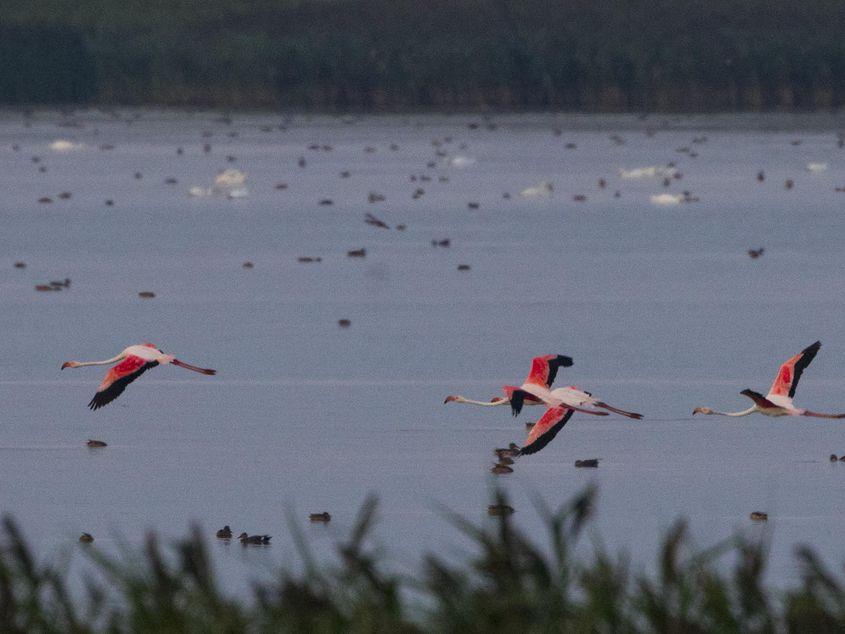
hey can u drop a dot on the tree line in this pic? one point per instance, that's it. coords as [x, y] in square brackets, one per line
[617, 55]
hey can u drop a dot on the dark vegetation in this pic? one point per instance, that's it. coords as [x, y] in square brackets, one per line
[613, 55]
[510, 583]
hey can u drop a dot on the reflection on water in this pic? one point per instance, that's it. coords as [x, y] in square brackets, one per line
[661, 308]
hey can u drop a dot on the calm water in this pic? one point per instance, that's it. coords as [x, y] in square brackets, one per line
[661, 308]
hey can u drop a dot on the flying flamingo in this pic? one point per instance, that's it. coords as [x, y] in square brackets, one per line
[132, 362]
[535, 391]
[778, 402]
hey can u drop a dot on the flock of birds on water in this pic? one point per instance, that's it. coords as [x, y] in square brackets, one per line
[537, 389]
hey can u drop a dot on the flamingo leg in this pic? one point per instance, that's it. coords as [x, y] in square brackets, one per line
[194, 368]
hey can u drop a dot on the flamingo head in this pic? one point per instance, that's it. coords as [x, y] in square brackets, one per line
[450, 399]
[497, 399]
[702, 410]
[70, 364]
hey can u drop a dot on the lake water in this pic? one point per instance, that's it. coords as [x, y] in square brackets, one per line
[661, 308]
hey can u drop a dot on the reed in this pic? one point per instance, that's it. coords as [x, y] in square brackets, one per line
[510, 582]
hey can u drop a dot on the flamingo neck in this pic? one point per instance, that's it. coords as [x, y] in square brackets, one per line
[744, 412]
[114, 359]
[461, 399]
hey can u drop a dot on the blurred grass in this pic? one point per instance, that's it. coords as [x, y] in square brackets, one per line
[510, 583]
[614, 55]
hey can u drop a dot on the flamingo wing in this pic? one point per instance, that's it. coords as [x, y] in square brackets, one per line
[759, 400]
[546, 429]
[118, 378]
[790, 372]
[544, 369]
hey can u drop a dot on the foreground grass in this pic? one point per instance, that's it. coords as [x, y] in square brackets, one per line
[512, 583]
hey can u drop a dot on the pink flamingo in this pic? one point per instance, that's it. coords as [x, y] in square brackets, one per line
[535, 390]
[132, 362]
[778, 402]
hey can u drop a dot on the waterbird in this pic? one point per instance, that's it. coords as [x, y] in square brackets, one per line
[499, 510]
[778, 402]
[500, 469]
[132, 362]
[254, 539]
[592, 463]
[225, 532]
[86, 538]
[370, 219]
[535, 390]
[320, 517]
[463, 267]
[511, 451]
[756, 253]
[96, 443]
[543, 190]
[759, 516]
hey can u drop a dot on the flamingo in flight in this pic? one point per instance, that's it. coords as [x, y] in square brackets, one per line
[132, 362]
[535, 390]
[778, 402]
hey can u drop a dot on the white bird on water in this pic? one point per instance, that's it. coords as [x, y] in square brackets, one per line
[543, 190]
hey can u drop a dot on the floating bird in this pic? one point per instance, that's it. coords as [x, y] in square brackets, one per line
[254, 539]
[591, 463]
[320, 517]
[225, 532]
[543, 190]
[132, 362]
[778, 402]
[499, 510]
[755, 253]
[96, 443]
[86, 538]
[759, 516]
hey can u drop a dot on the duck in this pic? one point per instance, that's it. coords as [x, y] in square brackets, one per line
[254, 539]
[501, 469]
[511, 451]
[96, 443]
[592, 463]
[499, 510]
[320, 517]
[86, 538]
[759, 516]
[224, 533]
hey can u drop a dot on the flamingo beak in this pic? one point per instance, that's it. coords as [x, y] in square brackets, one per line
[67, 364]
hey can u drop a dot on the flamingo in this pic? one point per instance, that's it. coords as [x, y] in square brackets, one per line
[132, 362]
[536, 391]
[778, 402]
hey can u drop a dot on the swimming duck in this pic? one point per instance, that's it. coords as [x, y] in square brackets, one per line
[499, 510]
[500, 469]
[320, 517]
[96, 443]
[254, 539]
[225, 532]
[86, 538]
[759, 516]
[589, 463]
